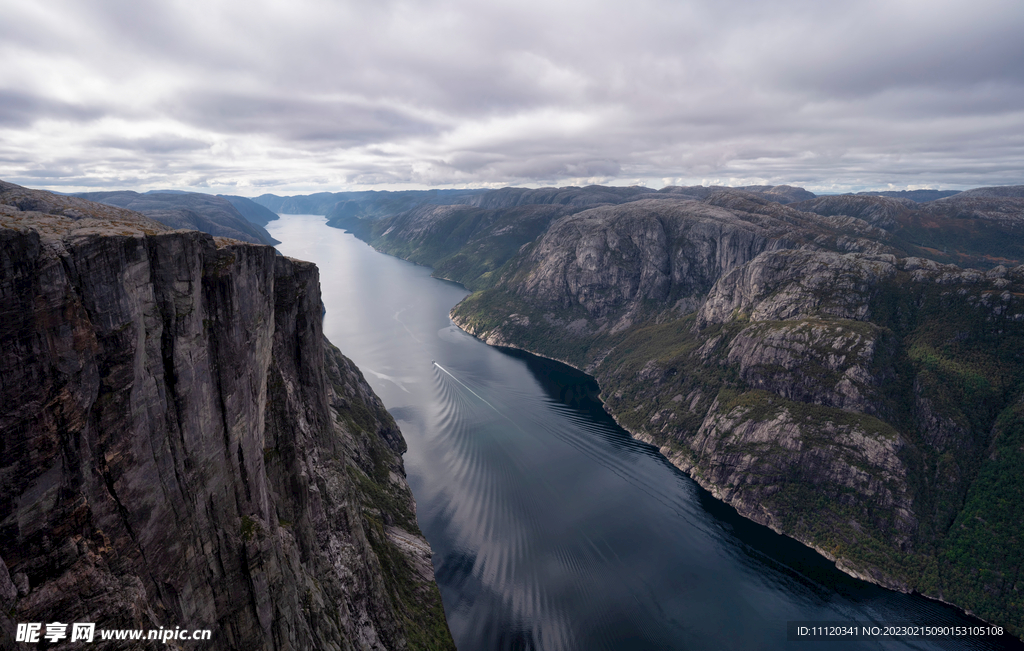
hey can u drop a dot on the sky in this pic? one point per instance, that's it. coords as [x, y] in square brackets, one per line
[234, 97]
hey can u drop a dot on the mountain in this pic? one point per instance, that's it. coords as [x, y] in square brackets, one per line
[778, 193]
[364, 203]
[914, 195]
[310, 204]
[182, 447]
[819, 364]
[251, 210]
[188, 210]
[964, 229]
[1005, 191]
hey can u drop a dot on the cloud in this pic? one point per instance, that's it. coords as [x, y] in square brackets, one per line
[329, 121]
[152, 145]
[321, 95]
[21, 110]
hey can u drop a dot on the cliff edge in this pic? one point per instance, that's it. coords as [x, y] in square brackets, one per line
[181, 447]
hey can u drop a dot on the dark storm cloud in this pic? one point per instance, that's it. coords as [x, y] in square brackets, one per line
[316, 92]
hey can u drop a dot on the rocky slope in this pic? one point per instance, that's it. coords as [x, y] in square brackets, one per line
[251, 210]
[180, 446]
[806, 362]
[861, 402]
[782, 194]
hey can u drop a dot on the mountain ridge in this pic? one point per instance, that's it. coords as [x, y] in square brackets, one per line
[189, 210]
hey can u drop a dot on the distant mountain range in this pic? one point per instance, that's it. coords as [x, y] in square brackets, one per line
[373, 203]
[913, 195]
[217, 215]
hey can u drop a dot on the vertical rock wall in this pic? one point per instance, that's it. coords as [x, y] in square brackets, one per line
[179, 446]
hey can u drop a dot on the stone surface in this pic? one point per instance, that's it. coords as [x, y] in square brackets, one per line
[182, 447]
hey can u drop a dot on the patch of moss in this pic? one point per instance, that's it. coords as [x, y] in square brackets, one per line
[249, 528]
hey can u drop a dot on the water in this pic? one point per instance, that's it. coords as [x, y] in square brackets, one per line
[551, 527]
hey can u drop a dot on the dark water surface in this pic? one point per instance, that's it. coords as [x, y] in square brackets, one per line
[551, 527]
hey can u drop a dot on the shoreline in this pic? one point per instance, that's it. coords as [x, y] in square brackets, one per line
[674, 458]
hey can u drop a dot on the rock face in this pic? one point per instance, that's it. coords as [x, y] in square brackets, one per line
[801, 366]
[182, 447]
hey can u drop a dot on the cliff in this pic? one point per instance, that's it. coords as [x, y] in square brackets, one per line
[863, 403]
[182, 447]
[810, 363]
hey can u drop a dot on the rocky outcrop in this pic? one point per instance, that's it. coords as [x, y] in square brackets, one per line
[792, 284]
[66, 213]
[182, 447]
[610, 260]
[813, 360]
[616, 266]
[883, 212]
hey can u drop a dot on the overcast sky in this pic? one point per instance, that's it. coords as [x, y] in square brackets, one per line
[301, 96]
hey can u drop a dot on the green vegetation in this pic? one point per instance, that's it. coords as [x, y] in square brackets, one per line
[545, 333]
[415, 601]
[249, 528]
[981, 561]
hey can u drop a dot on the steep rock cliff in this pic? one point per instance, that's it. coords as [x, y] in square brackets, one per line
[797, 367]
[182, 447]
